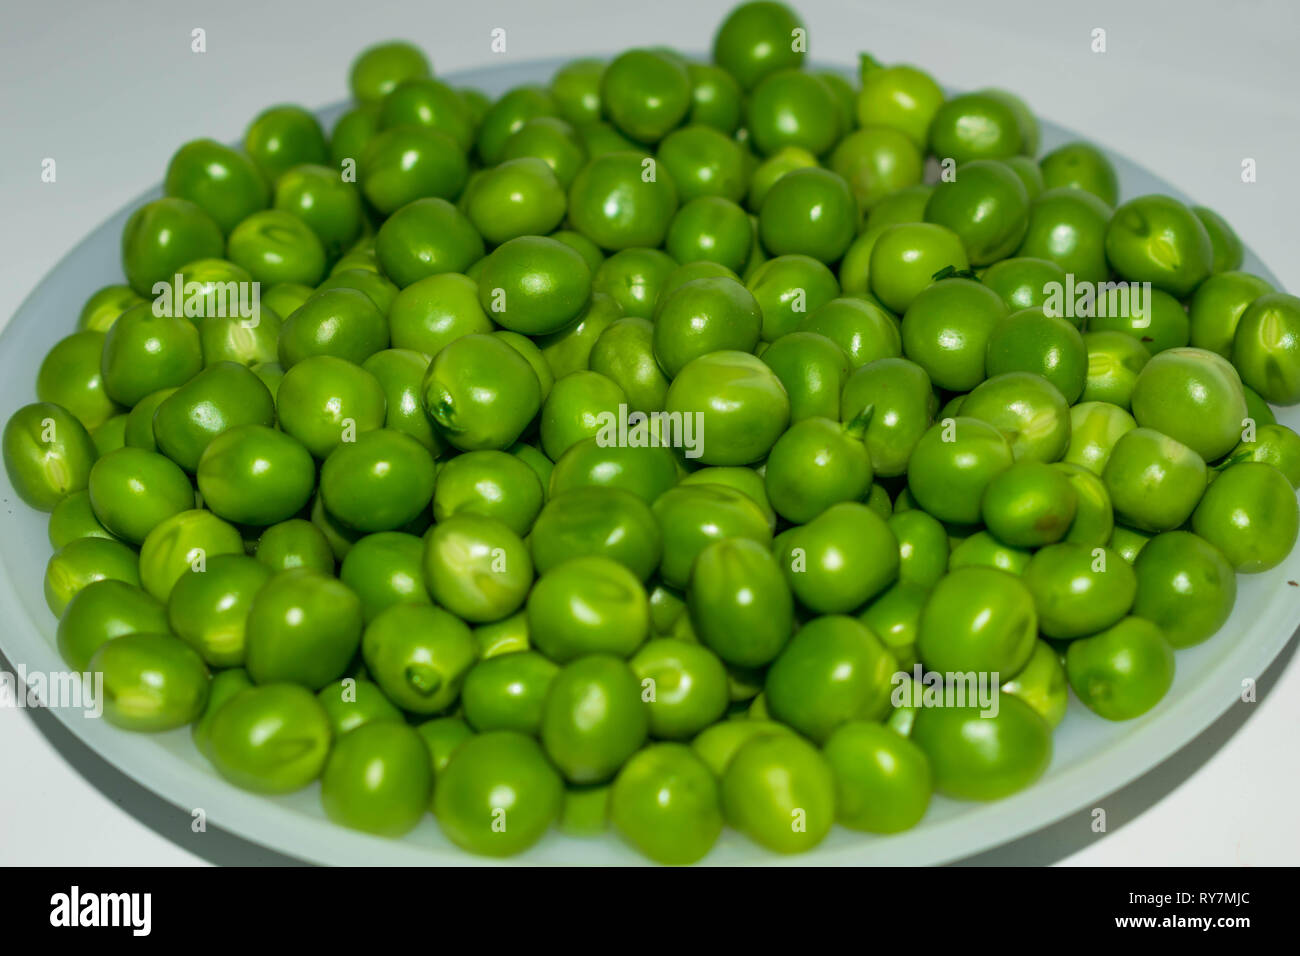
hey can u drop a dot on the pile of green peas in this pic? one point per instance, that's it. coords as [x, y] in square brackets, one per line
[372, 530]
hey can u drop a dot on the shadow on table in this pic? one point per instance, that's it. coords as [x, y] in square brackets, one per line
[1041, 848]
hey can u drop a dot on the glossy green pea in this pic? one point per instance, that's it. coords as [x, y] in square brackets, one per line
[1042, 684]
[840, 560]
[922, 547]
[1250, 514]
[182, 542]
[900, 97]
[902, 405]
[132, 491]
[1217, 306]
[1027, 409]
[224, 685]
[1115, 360]
[894, 616]
[832, 671]
[582, 405]
[715, 98]
[978, 619]
[684, 687]
[1154, 481]
[429, 103]
[1033, 341]
[905, 205]
[876, 161]
[284, 298]
[986, 205]
[221, 397]
[270, 739]
[152, 682]
[1274, 445]
[983, 550]
[604, 522]
[208, 609]
[481, 393]
[48, 454]
[1094, 517]
[1128, 542]
[948, 330]
[385, 569]
[507, 115]
[1193, 396]
[378, 69]
[253, 474]
[477, 568]
[283, 137]
[569, 349]
[419, 655]
[104, 610]
[741, 406]
[163, 235]
[693, 516]
[401, 373]
[701, 317]
[379, 482]
[1023, 282]
[330, 206]
[711, 229]
[249, 342]
[1122, 672]
[378, 779]
[138, 432]
[633, 278]
[1157, 239]
[906, 258]
[426, 237]
[506, 636]
[83, 561]
[1079, 590]
[779, 791]
[813, 370]
[507, 692]
[1030, 176]
[275, 246]
[716, 745]
[1185, 586]
[979, 757]
[434, 311]
[520, 197]
[808, 212]
[442, 736]
[351, 132]
[70, 376]
[882, 779]
[755, 41]
[498, 794]
[645, 470]
[552, 141]
[788, 288]
[303, 627]
[1029, 505]
[613, 204]
[855, 268]
[1068, 226]
[1081, 166]
[491, 483]
[1227, 246]
[704, 162]
[144, 352]
[645, 93]
[665, 802]
[766, 173]
[587, 605]
[815, 464]
[295, 543]
[74, 518]
[1158, 321]
[529, 351]
[739, 602]
[690, 271]
[792, 108]
[575, 88]
[104, 306]
[975, 126]
[1266, 347]
[624, 353]
[341, 322]
[593, 719]
[864, 330]
[953, 463]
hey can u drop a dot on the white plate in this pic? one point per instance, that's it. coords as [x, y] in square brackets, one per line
[1092, 757]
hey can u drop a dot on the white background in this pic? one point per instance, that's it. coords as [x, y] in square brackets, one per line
[1189, 89]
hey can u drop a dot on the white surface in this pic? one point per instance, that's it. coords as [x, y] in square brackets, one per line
[100, 87]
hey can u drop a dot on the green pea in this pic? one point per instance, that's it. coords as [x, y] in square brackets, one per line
[378, 779]
[615, 205]
[597, 522]
[684, 686]
[275, 246]
[133, 491]
[1154, 481]
[1042, 684]
[666, 803]
[983, 550]
[104, 306]
[980, 756]
[83, 561]
[593, 719]
[350, 703]
[270, 739]
[152, 682]
[882, 779]
[1122, 672]
[740, 404]
[477, 567]
[952, 465]
[1029, 505]
[779, 791]
[322, 399]
[1157, 239]
[922, 547]
[978, 619]
[481, 393]
[302, 627]
[1029, 411]
[102, 611]
[1033, 341]
[1265, 350]
[295, 543]
[209, 609]
[144, 352]
[1250, 514]
[161, 237]
[48, 454]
